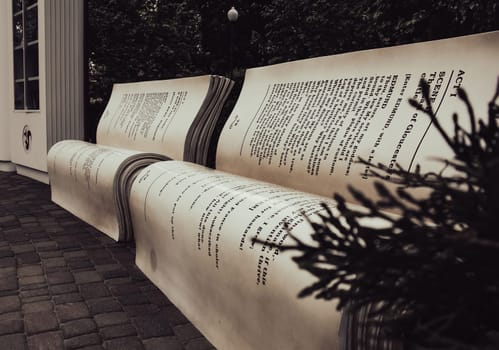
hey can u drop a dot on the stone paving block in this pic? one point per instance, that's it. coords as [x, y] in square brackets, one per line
[38, 236]
[63, 288]
[80, 264]
[157, 297]
[163, 343]
[10, 304]
[93, 347]
[52, 269]
[70, 244]
[138, 310]
[16, 237]
[118, 331]
[28, 258]
[71, 311]
[5, 253]
[50, 254]
[78, 327]
[29, 270]
[45, 305]
[69, 222]
[49, 340]
[7, 262]
[137, 275]
[83, 341]
[34, 292]
[38, 322]
[173, 315]
[7, 218]
[186, 332]
[14, 342]
[199, 344]
[45, 219]
[119, 247]
[36, 299]
[8, 272]
[4, 293]
[149, 326]
[24, 281]
[133, 299]
[60, 277]
[104, 261]
[111, 319]
[52, 228]
[89, 242]
[33, 286]
[116, 273]
[124, 257]
[106, 240]
[109, 267]
[16, 315]
[54, 262]
[102, 305]
[44, 246]
[22, 248]
[26, 219]
[9, 283]
[120, 281]
[129, 343]
[94, 290]
[67, 298]
[99, 253]
[124, 289]
[75, 254]
[11, 326]
[14, 231]
[87, 277]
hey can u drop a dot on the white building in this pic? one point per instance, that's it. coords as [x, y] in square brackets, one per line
[41, 81]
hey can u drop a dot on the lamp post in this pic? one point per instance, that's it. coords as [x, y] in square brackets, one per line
[232, 16]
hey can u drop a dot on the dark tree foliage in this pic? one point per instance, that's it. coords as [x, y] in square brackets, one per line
[132, 40]
[432, 270]
[307, 28]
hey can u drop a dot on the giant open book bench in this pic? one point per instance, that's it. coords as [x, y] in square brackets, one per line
[292, 140]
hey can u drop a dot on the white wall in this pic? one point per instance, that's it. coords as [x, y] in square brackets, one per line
[61, 68]
[36, 157]
[5, 80]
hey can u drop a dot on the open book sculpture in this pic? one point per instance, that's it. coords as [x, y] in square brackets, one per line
[291, 141]
[142, 123]
[302, 125]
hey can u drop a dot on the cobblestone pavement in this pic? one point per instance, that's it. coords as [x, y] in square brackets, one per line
[65, 285]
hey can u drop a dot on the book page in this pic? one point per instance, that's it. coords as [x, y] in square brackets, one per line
[193, 231]
[305, 124]
[82, 178]
[152, 116]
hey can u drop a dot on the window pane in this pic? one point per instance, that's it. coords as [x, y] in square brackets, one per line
[26, 66]
[32, 61]
[18, 64]
[17, 5]
[32, 97]
[18, 30]
[31, 24]
[19, 95]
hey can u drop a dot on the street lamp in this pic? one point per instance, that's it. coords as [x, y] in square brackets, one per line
[232, 16]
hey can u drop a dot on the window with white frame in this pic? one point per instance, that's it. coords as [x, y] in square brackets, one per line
[25, 39]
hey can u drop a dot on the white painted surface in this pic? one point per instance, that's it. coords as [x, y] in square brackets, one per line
[61, 77]
[5, 79]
